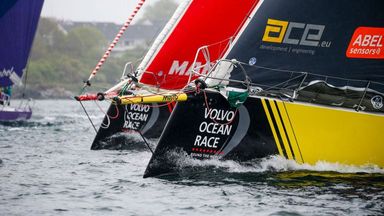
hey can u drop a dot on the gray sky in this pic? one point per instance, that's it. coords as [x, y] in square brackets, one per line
[116, 11]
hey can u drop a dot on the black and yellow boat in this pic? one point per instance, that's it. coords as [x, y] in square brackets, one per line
[304, 79]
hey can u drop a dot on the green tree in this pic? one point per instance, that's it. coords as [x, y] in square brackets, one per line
[49, 38]
[85, 42]
[161, 11]
[62, 59]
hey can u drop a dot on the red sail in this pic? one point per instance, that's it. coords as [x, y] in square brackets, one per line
[204, 22]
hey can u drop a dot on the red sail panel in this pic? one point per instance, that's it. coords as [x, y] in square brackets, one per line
[205, 22]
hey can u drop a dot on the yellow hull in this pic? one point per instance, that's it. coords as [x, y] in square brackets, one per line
[316, 133]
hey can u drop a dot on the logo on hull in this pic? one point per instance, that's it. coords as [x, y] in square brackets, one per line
[366, 42]
[135, 116]
[211, 130]
[279, 31]
[293, 37]
[377, 102]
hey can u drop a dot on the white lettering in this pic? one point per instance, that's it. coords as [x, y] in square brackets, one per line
[6, 73]
[215, 128]
[140, 107]
[176, 68]
[185, 69]
[205, 141]
[374, 40]
[197, 140]
[366, 40]
[369, 40]
[219, 115]
[137, 116]
[358, 40]
[131, 125]
[379, 44]
[197, 65]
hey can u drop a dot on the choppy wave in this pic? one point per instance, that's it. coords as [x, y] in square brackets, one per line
[273, 163]
[127, 141]
[47, 168]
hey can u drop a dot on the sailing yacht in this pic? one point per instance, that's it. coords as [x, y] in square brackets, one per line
[18, 23]
[304, 79]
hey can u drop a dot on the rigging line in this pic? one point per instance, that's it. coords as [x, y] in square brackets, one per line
[28, 61]
[89, 118]
[308, 73]
[25, 80]
[145, 141]
[25, 84]
[112, 45]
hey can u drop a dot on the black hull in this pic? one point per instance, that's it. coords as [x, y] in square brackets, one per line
[243, 137]
[130, 119]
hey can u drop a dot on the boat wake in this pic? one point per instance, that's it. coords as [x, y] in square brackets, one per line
[270, 164]
[274, 171]
[126, 141]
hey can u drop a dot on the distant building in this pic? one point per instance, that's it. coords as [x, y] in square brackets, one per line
[138, 35]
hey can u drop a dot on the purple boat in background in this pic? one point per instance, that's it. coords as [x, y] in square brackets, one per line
[13, 114]
[18, 23]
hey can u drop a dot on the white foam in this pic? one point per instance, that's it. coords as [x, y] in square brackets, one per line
[277, 163]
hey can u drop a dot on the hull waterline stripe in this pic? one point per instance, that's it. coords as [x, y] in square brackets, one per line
[285, 131]
[272, 125]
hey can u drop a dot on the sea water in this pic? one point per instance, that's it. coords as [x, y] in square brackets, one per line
[47, 169]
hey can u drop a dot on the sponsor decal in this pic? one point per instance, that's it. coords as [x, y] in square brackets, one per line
[252, 61]
[135, 116]
[366, 42]
[167, 98]
[184, 68]
[377, 101]
[215, 127]
[12, 75]
[297, 38]
[254, 90]
[6, 72]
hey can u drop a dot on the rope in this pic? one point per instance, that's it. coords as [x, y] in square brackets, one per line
[209, 109]
[106, 114]
[107, 53]
[89, 118]
[117, 113]
[113, 44]
[145, 141]
[105, 126]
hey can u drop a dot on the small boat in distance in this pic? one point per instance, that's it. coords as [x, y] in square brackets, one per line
[304, 79]
[18, 23]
